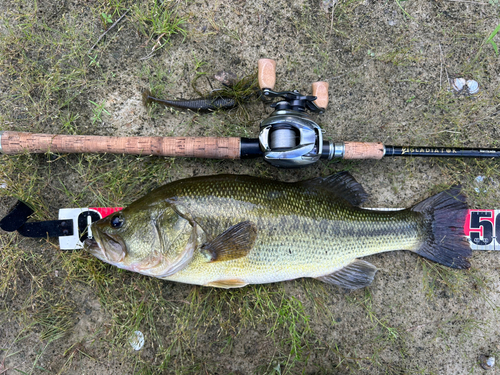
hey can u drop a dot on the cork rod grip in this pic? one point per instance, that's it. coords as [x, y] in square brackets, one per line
[320, 90]
[267, 73]
[363, 150]
[197, 147]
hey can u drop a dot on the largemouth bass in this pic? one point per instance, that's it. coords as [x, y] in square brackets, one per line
[229, 231]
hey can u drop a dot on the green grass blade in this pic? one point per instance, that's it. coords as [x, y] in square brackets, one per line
[494, 45]
[495, 32]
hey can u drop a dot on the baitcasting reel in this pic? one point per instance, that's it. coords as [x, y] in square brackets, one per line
[289, 138]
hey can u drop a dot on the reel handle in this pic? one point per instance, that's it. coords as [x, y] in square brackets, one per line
[296, 101]
[267, 74]
[320, 90]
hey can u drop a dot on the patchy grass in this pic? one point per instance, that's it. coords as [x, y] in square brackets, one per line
[159, 21]
[61, 312]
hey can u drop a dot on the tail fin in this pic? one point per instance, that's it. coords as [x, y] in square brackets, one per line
[444, 216]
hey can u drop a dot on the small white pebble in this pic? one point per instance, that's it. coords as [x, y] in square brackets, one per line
[473, 86]
[458, 84]
[136, 340]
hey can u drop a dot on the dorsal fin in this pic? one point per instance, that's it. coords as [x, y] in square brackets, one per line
[342, 185]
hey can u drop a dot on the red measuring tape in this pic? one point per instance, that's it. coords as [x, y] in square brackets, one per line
[480, 228]
[73, 227]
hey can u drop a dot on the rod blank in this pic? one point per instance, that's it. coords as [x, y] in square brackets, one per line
[448, 152]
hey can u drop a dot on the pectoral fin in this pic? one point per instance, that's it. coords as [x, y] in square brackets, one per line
[226, 284]
[234, 243]
[356, 275]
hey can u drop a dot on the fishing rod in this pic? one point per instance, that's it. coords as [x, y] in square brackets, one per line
[287, 138]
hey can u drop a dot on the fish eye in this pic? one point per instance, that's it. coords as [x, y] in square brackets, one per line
[117, 221]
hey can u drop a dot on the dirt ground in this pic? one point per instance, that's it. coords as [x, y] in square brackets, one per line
[388, 63]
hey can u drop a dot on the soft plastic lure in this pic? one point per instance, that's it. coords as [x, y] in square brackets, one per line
[198, 105]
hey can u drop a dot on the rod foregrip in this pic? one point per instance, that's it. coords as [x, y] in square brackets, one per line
[197, 147]
[267, 73]
[363, 150]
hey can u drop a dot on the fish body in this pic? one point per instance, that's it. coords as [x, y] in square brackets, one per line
[230, 231]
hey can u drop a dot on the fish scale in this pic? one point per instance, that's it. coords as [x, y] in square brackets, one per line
[301, 232]
[229, 231]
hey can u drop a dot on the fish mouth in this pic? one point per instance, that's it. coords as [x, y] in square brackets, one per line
[93, 247]
[90, 244]
[106, 247]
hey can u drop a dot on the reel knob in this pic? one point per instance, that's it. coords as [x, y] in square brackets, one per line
[320, 91]
[267, 74]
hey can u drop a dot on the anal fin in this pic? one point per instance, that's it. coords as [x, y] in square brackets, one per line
[233, 243]
[226, 284]
[356, 275]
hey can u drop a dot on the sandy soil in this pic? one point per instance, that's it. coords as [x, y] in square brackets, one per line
[388, 75]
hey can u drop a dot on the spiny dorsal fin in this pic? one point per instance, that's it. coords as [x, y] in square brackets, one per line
[234, 243]
[356, 275]
[342, 185]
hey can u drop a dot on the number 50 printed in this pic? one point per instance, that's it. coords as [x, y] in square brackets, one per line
[481, 228]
